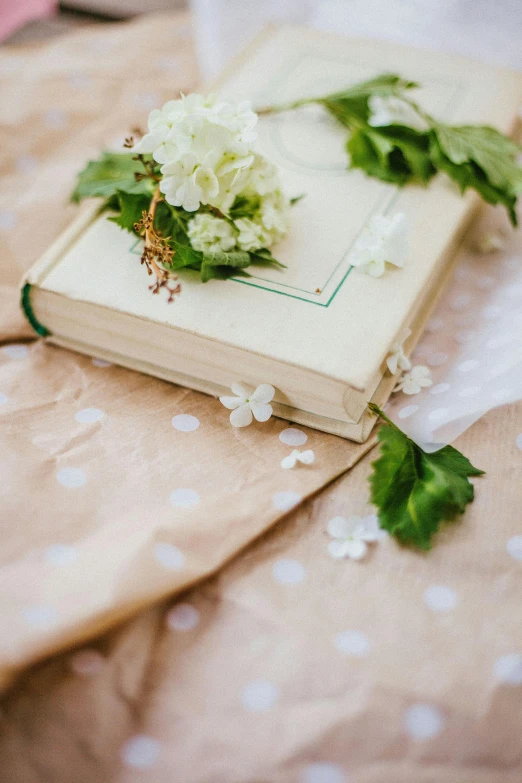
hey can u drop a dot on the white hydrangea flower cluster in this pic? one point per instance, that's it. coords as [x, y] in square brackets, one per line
[205, 149]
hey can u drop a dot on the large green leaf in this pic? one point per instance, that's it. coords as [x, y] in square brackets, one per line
[109, 174]
[415, 491]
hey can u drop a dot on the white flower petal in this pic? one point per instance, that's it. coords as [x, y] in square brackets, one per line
[341, 527]
[307, 457]
[374, 532]
[231, 402]
[290, 462]
[356, 548]
[263, 394]
[338, 549]
[262, 411]
[241, 390]
[242, 416]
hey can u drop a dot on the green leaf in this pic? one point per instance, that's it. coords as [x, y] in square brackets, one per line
[351, 105]
[264, 256]
[185, 256]
[470, 175]
[415, 491]
[131, 206]
[245, 206]
[111, 173]
[394, 154]
[222, 265]
[171, 222]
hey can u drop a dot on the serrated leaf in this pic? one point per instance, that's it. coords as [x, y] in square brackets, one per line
[470, 175]
[394, 154]
[238, 259]
[415, 491]
[111, 173]
[131, 207]
[264, 256]
[185, 256]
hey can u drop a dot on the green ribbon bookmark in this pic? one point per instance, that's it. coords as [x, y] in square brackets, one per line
[29, 314]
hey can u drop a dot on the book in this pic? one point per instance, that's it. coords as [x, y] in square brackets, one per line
[318, 331]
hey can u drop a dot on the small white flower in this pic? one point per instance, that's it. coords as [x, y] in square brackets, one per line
[351, 536]
[210, 234]
[248, 402]
[396, 359]
[304, 457]
[491, 243]
[383, 240]
[389, 110]
[252, 235]
[417, 378]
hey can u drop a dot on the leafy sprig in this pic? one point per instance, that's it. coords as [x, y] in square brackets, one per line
[415, 491]
[474, 156]
[128, 184]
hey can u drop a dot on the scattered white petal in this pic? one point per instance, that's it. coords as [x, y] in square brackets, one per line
[396, 359]
[288, 571]
[514, 547]
[247, 403]
[303, 457]
[169, 556]
[182, 617]
[259, 696]
[440, 598]
[351, 536]
[382, 241]
[72, 478]
[140, 752]
[508, 669]
[293, 437]
[184, 498]
[184, 422]
[352, 643]
[285, 500]
[89, 415]
[423, 721]
[413, 381]
[87, 662]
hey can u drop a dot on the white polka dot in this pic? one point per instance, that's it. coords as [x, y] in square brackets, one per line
[26, 164]
[182, 617]
[87, 662]
[436, 359]
[259, 696]
[492, 312]
[408, 411]
[56, 119]
[41, 617]
[285, 500]
[322, 772]
[100, 362]
[440, 388]
[465, 336]
[435, 325]
[184, 422]
[16, 351]
[485, 281]
[169, 556]
[508, 669]
[61, 554]
[440, 598]
[72, 478]
[468, 365]
[514, 547]
[461, 301]
[293, 437]
[7, 220]
[518, 441]
[500, 395]
[3, 398]
[183, 498]
[422, 721]
[89, 415]
[140, 751]
[438, 414]
[288, 572]
[469, 391]
[353, 643]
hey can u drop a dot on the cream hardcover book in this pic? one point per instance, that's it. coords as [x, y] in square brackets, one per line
[318, 331]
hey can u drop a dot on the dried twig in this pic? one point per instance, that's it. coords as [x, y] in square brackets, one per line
[157, 252]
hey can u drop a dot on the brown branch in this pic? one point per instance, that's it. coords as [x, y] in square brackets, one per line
[157, 252]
